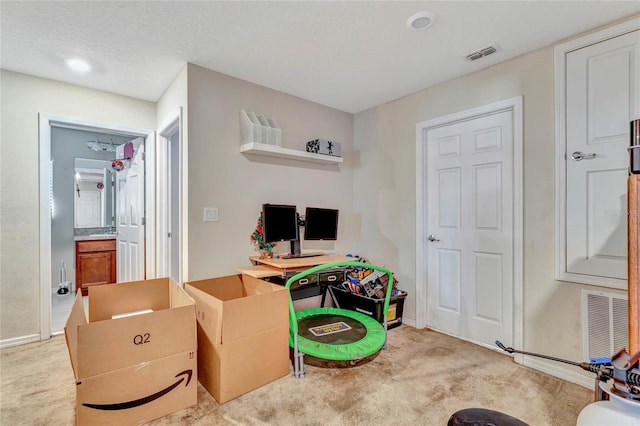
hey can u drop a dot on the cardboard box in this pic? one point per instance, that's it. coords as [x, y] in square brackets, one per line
[243, 334]
[137, 367]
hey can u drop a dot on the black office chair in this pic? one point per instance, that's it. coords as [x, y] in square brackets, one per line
[483, 417]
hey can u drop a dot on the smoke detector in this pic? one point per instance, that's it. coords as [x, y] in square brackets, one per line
[421, 21]
[481, 53]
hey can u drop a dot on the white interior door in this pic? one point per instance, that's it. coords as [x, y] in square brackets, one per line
[130, 216]
[602, 96]
[470, 222]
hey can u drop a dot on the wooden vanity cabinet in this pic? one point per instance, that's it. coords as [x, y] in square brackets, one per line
[95, 263]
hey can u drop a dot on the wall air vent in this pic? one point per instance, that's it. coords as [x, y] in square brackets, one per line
[604, 323]
[481, 53]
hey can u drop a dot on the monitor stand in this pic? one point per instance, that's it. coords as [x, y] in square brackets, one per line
[296, 252]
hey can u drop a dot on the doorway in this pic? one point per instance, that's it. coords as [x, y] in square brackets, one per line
[169, 195]
[82, 192]
[469, 224]
[47, 203]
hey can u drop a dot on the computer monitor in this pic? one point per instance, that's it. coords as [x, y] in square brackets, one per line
[320, 224]
[279, 223]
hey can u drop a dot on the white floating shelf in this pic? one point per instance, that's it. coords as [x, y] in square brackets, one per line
[292, 154]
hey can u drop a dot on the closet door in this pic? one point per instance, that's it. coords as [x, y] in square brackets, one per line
[602, 96]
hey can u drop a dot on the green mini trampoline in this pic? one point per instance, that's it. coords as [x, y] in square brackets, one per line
[332, 333]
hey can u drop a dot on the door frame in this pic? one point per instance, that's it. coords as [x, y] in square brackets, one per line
[164, 203]
[512, 104]
[46, 122]
[560, 53]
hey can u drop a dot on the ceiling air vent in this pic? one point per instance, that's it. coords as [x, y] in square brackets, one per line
[480, 53]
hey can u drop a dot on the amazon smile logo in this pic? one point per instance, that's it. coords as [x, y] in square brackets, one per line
[147, 399]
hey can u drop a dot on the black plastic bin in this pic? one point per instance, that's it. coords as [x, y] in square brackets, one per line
[371, 307]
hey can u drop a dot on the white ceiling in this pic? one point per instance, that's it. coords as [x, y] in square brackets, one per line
[349, 55]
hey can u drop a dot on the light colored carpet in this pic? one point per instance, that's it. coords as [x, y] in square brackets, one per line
[422, 379]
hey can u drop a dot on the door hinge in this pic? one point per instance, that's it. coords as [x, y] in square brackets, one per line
[144, 221]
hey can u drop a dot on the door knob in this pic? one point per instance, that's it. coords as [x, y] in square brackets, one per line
[578, 156]
[432, 238]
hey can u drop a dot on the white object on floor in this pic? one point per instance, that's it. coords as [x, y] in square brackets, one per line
[617, 411]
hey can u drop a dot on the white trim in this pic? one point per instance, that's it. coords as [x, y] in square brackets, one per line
[46, 121]
[163, 202]
[421, 220]
[515, 105]
[559, 372]
[518, 225]
[45, 225]
[149, 202]
[22, 340]
[409, 322]
[560, 53]
[184, 191]
[598, 36]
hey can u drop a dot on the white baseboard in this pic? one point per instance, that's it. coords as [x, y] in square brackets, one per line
[570, 374]
[410, 322]
[15, 341]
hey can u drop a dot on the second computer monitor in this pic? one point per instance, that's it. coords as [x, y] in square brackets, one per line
[321, 224]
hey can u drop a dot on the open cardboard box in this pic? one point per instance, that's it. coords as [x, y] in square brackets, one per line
[138, 367]
[243, 333]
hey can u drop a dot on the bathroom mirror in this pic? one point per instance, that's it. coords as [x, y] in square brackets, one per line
[94, 200]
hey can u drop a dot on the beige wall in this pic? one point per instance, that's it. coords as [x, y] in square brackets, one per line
[173, 98]
[386, 135]
[220, 176]
[22, 98]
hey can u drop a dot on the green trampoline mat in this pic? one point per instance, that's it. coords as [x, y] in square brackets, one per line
[331, 329]
[337, 334]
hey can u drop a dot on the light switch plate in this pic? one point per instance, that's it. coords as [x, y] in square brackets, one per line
[210, 214]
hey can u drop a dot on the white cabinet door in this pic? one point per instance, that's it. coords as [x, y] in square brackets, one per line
[470, 218]
[602, 86]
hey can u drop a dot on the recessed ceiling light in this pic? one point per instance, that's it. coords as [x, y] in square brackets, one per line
[421, 21]
[79, 65]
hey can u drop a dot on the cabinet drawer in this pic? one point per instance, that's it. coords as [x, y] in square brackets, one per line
[331, 277]
[309, 280]
[95, 245]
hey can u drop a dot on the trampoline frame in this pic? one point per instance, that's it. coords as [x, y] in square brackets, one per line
[295, 339]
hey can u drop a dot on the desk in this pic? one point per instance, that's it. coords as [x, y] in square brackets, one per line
[280, 269]
[298, 263]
